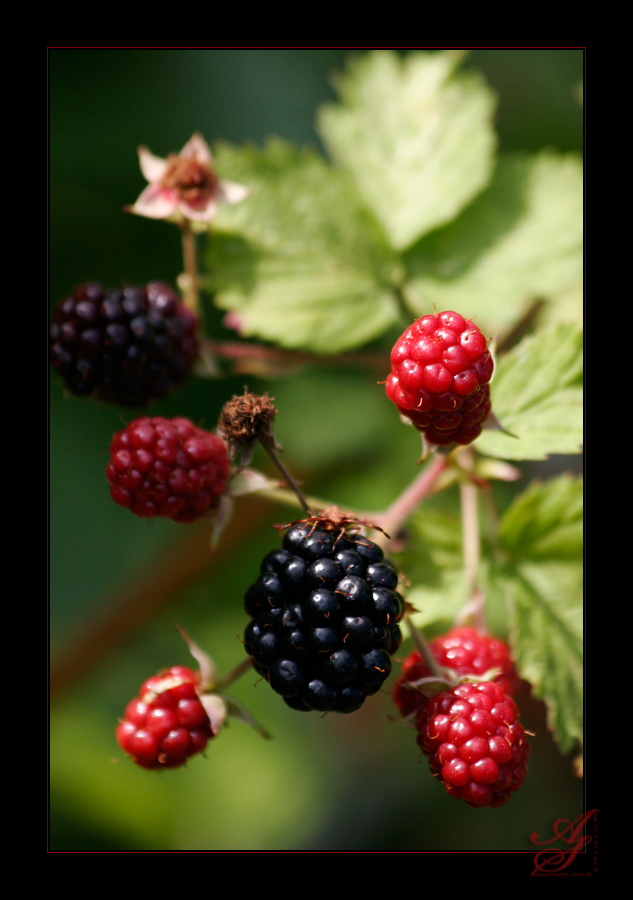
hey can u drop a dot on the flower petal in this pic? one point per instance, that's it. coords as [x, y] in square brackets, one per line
[156, 202]
[152, 167]
[231, 192]
[197, 147]
[203, 213]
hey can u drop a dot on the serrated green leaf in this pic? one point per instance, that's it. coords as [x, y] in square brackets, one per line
[521, 239]
[299, 262]
[416, 138]
[433, 564]
[537, 396]
[546, 628]
[541, 533]
[545, 521]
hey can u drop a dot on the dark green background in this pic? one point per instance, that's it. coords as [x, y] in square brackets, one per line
[333, 783]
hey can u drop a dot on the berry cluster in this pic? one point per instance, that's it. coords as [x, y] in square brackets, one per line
[162, 467]
[463, 650]
[126, 346]
[471, 734]
[166, 723]
[440, 369]
[325, 616]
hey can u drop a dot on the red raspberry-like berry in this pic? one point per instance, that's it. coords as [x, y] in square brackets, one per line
[440, 369]
[162, 467]
[474, 742]
[166, 723]
[466, 652]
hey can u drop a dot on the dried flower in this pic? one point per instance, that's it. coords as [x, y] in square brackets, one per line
[244, 421]
[184, 185]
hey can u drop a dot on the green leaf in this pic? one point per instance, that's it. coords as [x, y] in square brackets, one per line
[416, 138]
[520, 240]
[542, 537]
[299, 262]
[537, 395]
[433, 563]
[546, 521]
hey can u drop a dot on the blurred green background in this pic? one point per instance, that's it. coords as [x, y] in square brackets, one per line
[119, 584]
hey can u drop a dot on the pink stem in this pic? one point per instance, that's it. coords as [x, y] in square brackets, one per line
[398, 513]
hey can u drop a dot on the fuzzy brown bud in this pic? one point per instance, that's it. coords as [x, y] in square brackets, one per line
[244, 421]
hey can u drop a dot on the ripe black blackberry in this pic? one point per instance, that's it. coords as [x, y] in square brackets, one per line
[324, 618]
[126, 346]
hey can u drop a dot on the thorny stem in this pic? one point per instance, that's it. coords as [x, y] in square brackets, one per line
[189, 283]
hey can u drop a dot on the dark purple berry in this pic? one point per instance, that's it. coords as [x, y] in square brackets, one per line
[325, 619]
[127, 347]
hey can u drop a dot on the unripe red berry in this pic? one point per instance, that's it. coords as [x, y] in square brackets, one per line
[171, 468]
[166, 723]
[466, 652]
[440, 370]
[474, 742]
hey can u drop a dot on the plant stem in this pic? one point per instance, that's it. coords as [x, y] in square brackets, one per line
[270, 450]
[471, 541]
[423, 649]
[234, 674]
[243, 352]
[399, 511]
[189, 283]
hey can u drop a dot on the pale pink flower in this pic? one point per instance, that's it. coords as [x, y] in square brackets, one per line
[184, 184]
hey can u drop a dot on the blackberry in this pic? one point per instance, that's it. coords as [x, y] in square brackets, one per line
[324, 618]
[126, 346]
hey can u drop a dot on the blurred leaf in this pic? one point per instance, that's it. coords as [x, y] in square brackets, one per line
[299, 262]
[521, 239]
[433, 565]
[541, 533]
[546, 521]
[537, 395]
[93, 778]
[416, 137]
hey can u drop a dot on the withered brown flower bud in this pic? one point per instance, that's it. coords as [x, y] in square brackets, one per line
[244, 421]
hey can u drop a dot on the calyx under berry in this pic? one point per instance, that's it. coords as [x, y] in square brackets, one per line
[333, 519]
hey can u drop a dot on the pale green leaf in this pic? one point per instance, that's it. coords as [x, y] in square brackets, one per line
[434, 565]
[537, 396]
[520, 240]
[545, 521]
[541, 535]
[546, 628]
[415, 136]
[299, 262]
